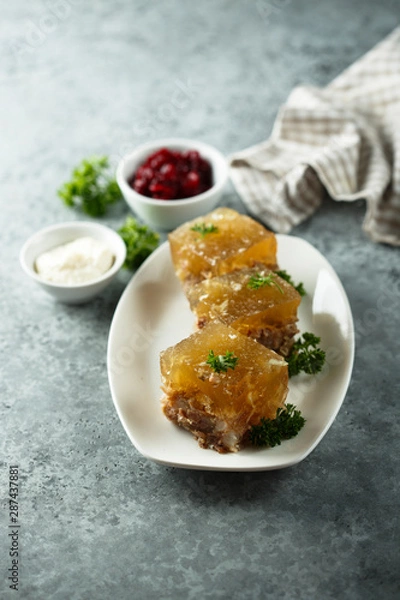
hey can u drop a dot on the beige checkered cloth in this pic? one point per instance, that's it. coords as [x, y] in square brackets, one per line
[344, 138]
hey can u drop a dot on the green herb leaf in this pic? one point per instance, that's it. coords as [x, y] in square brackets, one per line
[140, 242]
[222, 362]
[257, 281]
[285, 275]
[271, 432]
[306, 356]
[91, 187]
[203, 229]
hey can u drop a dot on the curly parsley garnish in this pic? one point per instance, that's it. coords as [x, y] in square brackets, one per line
[140, 241]
[285, 275]
[258, 281]
[203, 229]
[306, 356]
[220, 363]
[271, 432]
[91, 187]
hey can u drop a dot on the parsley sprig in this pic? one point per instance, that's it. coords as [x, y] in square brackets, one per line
[299, 287]
[140, 241]
[258, 281]
[203, 228]
[91, 187]
[271, 432]
[220, 363]
[306, 356]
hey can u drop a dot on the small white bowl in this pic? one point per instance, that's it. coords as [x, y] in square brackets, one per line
[165, 215]
[62, 233]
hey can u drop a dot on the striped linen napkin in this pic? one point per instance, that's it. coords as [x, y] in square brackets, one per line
[344, 138]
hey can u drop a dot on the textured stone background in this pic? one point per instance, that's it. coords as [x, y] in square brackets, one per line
[97, 519]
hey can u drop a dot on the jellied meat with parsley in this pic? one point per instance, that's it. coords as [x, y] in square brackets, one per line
[221, 241]
[218, 383]
[255, 301]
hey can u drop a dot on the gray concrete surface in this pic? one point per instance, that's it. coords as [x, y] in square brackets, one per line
[98, 520]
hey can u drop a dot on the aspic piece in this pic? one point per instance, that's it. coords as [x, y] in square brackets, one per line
[256, 302]
[218, 243]
[218, 383]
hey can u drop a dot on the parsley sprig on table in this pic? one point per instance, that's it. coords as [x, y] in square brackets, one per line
[271, 432]
[203, 228]
[285, 275]
[258, 281]
[91, 187]
[220, 363]
[306, 356]
[140, 242]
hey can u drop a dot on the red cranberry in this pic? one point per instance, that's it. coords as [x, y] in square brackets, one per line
[144, 173]
[190, 186]
[140, 186]
[171, 174]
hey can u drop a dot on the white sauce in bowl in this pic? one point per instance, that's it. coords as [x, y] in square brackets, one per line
[81, 261]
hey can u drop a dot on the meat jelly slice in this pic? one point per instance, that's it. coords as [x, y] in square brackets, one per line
[219, 408]
[254, 301]
[221, 241]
